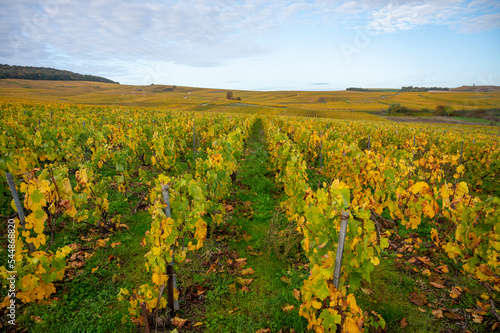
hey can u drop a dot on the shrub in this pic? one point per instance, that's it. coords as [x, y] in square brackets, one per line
[444, 110]
[397, 108]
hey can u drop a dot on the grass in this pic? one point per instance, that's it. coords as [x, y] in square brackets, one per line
[260, 306]
[86, 302]
[477, 120]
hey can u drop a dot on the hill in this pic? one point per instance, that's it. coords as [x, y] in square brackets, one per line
[330, 104]
[476, 89]
[44, 73]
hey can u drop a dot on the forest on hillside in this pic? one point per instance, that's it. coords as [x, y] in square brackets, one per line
[44, 73]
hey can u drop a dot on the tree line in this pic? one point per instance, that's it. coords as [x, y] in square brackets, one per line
[403, 89]
[44, 73]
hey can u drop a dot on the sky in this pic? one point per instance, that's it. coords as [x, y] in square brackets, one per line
[257, 44]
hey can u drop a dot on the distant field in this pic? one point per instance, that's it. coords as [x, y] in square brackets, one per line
[330, 104]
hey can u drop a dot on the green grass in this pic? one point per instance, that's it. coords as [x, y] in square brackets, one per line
[391, 291]
[477, 120]
[87, 302]
[260, 307]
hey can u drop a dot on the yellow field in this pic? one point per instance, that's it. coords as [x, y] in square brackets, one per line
[331, 104]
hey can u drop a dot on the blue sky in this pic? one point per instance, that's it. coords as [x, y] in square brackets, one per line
[259, 45]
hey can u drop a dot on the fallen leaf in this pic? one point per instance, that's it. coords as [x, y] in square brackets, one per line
[412, 260]
[94, 269]
[495, 325]
[486, 270]
[229, 208]
[111, 257]
[477, 318]
[232, 288]
[453, 315]
[212, 269]
[115, 244]
[245, 289]
[438, 313]
[262, 330]
[288, 308]
[437, 285]
[243, 282]
[442, 269]
[296, 294]
[418, 298]
[102, 242]
[426, 272]
[247, 237]
[37, 319]
[240, 262]
[422, 310]
[75, 255]
[286, 279]
[179, 322]
[255, 253]
[233, 310]
[250, 248]
[426, 261]
[87, 239]
[247, 271]
[367, 291]
[403, 322]
[121, 225]
[77, 264]
[201, 290]
[247, 204]
[481, 308]
[436, 282]
[455, 292]
[199, 323]
[74, 246]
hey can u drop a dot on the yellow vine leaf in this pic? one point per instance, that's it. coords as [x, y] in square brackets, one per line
[159, 278]
[29, 281]
[417, 187]
[429, 211]
[37, 241]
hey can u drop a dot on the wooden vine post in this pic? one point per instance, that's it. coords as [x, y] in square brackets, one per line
[321, 152]
[173, 304]
[19, 207]
[340, 248]
[194, 145]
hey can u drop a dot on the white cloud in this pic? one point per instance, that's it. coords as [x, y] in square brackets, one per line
[458, 14]
[481, 23]
[198, 32]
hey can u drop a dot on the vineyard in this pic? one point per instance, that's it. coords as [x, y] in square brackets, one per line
[227, 217]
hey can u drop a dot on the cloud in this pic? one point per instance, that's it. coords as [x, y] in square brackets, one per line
[481, 23]
[204, 33]
[465, 16]
[198, 33]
